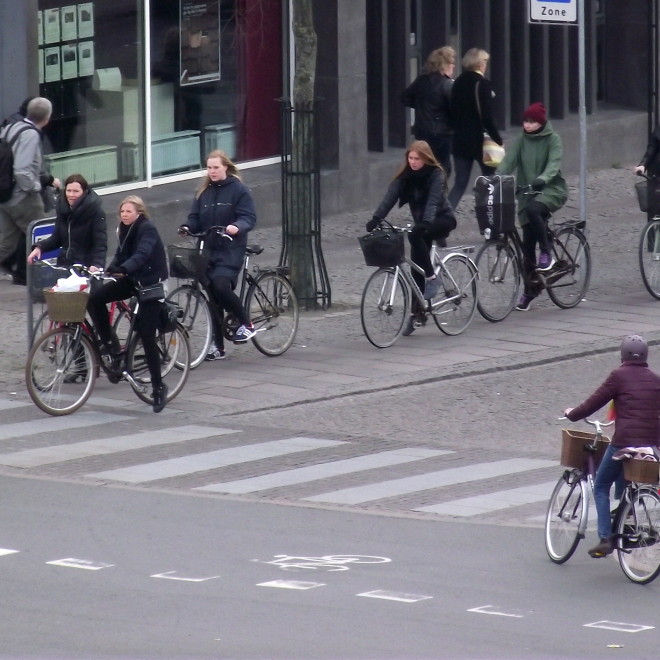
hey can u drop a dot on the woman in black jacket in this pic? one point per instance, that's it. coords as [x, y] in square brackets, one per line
[139, 261]
[421, 183]
[430, 96]
[650, 165]
[472, 114]
[80, 227]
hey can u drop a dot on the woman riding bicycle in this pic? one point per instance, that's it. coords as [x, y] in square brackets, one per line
[222, 199]
[421, 183]
[535, 158]
[139, 261]
[635, 391]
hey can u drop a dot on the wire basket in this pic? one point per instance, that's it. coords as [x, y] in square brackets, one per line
[573, 442]
[641, 472]
[44, 276]
[187, 262]
[66, 306]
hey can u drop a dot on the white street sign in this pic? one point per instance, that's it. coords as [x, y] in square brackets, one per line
[553, 11]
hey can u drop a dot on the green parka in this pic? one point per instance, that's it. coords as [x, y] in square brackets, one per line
[536, 156]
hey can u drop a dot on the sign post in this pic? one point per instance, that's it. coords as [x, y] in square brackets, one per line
[557, 12]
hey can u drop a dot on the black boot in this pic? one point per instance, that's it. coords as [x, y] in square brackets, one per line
[160, 397]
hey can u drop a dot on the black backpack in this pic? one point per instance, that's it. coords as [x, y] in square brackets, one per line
[7, 180]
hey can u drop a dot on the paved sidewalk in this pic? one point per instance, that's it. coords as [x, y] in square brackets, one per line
[331, 356]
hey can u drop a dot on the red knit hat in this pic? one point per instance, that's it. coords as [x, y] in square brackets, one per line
[536, 112]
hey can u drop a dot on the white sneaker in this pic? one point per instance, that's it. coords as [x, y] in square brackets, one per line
[215, 354]
[244, 333]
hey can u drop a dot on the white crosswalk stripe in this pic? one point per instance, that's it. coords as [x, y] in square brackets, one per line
[53, 424]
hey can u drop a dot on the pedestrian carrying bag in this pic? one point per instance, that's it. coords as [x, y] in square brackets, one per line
[7, 180]
[151, 292]
[495, 203]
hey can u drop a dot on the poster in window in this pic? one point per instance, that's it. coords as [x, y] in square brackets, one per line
[51, 22]
[85, 20]
[86, 58]
[40, 28]
[69, 61]
[69, 23]
[40, 59]
[52, 64]
[200, 41]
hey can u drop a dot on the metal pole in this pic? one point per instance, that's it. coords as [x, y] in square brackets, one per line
[583, 110]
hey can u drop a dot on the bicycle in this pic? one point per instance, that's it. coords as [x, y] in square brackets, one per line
[500, 263]
[649, 246]
[636, 520]
[64, 363]
[266, 293]
[389, 291]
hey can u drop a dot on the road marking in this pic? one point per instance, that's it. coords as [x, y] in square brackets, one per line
[491, 609]
[9, 404]
[394, 595]
[177, 467]
[54, 424]
[7, 551]
[327, 562]
[618, 626]
[323, 471]
[291, 584]
[171, 575]
[430, 480]
[489, 502]
[58, 453]
[84, 564]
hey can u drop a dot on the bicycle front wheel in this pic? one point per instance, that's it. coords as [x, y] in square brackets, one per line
[197, 320]
[569, 279]
[499, 280]
[384, 307]
[459, 283]
[174, 353]
[649, 257]
[638, 535]
[566, 511]
[61, 371]
[42, 324]
[272, 306]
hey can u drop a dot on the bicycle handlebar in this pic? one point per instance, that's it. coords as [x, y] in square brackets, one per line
[215, 230]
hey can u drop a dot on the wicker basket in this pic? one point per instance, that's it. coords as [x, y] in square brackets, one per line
[572, 447]
[187, 262]
[641, 472]
[66, 306]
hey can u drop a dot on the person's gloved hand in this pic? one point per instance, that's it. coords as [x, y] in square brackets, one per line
[538, 184]
[372, 224]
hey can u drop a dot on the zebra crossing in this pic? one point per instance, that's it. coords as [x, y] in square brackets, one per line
[109, 447]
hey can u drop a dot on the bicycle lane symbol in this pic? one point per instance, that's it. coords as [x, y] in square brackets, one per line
[324, 563]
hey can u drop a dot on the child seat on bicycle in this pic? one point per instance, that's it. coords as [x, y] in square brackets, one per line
[223, 199]
[535, 158]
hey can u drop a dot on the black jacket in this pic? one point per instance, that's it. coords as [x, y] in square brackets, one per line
[469, 120]
[80, 231]
[140, 253]
[651, 159]
[430, 96]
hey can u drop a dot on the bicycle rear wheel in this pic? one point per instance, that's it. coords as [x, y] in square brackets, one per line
[197, 320]
[638, 535]
[272, 306]
[569, 279]
[61, 371]
[566, 511]
[122, 324]
[453, 317]
[174, 351]
[499, 280]
[384, 307]
[649, 257]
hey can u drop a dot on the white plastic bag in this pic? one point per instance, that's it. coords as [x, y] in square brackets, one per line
[72, 283]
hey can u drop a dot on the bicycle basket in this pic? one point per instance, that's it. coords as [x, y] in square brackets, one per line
[44, 276]
[641, 472]
[383, 248]
[648, 195]
[187, 262]
[641, 188]
[66, 306]
[572, 447]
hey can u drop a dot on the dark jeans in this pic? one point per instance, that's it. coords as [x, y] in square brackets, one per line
[146, 323]
[462, 170]
[420, 239]
[441, 147]
[226, 299]
[609, 472]
[533, 233]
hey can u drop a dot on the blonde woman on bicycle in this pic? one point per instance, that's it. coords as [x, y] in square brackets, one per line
[222, 199]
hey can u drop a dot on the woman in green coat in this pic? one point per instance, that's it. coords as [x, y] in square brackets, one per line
[535, 159]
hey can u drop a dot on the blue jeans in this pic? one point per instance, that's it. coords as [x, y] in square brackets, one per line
[609, 472]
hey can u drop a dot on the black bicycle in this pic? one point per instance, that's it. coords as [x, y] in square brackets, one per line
[266, 294]
[649, 241]
[501, 271]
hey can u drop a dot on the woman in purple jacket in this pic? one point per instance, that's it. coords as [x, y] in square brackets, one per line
[635, 391]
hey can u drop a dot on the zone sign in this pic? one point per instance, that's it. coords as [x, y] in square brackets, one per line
[553, 11]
